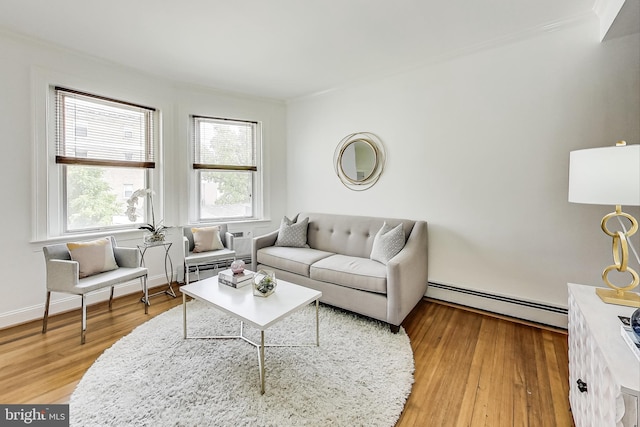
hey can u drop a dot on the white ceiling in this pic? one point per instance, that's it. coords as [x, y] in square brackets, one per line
[280, 48]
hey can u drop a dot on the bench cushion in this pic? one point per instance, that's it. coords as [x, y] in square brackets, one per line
[109, 278]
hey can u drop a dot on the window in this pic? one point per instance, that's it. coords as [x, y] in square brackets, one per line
[103, 146]
[225, 168]
[128, 190]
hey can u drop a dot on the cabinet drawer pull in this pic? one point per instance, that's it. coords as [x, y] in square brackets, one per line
[582, 386]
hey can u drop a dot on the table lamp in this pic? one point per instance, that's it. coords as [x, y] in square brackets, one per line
[610, 176]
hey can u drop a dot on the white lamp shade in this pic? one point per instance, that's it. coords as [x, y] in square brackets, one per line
[605, 176]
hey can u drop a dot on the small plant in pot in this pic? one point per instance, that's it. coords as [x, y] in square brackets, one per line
[156, 234]
[157, 231]
[264, 283]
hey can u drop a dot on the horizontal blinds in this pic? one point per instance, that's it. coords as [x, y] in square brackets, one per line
[99, 131]
[223, 144]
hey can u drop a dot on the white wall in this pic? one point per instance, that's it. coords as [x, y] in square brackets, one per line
[24, 67]
[478, 146]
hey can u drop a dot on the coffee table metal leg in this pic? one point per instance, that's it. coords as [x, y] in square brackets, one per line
[261, 362]
[184, 316]
[317, 325]
[260, 347]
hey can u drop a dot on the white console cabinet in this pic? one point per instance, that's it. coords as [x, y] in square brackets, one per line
[604, 375]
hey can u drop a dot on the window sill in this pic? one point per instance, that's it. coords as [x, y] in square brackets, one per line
[125, 234]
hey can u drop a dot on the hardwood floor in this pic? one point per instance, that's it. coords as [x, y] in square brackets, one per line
[471, 369]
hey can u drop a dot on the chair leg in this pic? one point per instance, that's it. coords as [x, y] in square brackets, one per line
[186, 274]
[84, 319]
[45, 319]
[145, 289]
[111, 299]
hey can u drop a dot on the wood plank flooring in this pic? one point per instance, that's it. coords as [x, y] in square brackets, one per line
[471, 369]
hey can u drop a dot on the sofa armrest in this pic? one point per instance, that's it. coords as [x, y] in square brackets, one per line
[185, 246]
[127, 257]
[259, 243]
[62, 275]
[407, 275]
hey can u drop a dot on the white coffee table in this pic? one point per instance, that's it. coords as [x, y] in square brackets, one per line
[259, 312]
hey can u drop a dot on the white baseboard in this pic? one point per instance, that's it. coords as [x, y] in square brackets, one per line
[72, 302]
[508, 306]
[500, 304]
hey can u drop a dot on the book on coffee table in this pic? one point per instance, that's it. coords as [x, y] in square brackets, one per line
[235, 280]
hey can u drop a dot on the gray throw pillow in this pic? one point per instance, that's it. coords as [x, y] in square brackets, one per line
[387, 243]
[292, 234]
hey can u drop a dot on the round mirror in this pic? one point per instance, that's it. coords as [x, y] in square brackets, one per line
[358, 160]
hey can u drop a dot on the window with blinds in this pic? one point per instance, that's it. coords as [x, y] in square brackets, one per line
[105, 149]
[225, 167]
[98, 131]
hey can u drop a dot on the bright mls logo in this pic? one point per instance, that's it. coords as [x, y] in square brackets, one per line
[34, 415]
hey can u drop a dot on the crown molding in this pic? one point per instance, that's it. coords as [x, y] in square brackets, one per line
[617, 17]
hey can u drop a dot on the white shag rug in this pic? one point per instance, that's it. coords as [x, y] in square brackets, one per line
[361, 375]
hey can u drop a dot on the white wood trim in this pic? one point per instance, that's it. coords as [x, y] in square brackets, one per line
[64, 302]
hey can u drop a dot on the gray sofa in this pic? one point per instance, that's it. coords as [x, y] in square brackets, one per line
[336, 262]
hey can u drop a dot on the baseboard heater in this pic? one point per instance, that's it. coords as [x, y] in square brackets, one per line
[208, 270]
[223, 264]
[521, 309]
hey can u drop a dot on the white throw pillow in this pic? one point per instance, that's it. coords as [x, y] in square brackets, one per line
[93, 257]
[292, 234]
[207, 239]
[387, 243]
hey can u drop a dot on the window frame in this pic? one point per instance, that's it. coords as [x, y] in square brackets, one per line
[196, 168]
[47, 177]
[63, 160]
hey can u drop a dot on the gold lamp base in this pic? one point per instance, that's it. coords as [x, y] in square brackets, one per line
[620, 295]
[611, 296]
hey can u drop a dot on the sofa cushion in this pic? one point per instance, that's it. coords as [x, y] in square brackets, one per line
[292, 234]
[352, 272]
[295, 260]
[93, 257]
[387, 243]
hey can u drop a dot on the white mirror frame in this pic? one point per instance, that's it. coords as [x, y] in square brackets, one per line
[379, 154]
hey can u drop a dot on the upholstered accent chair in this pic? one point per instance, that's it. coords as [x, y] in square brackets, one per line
[194, 258]
[64, 275]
